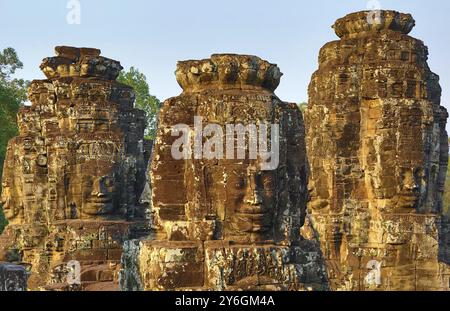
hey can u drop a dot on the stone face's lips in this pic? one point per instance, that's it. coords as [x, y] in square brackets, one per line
[228, 71]
[97, 208]
[252, 210]
[362, 22]
[257, 215]
[100, 200]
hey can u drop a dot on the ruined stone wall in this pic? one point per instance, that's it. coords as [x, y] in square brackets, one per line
[76, 185]
[13, 278]
[73, 177]
[225, 223]
[378, 152]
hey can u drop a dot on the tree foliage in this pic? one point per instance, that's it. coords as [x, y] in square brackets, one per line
[144, 100]
[13, 94]
[9, 63]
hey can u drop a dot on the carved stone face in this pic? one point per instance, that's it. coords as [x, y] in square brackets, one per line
[245, 199]
[253, 208]
[228, 196]
[92, 192]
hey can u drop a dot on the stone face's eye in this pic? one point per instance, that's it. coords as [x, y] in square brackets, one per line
[108, 181]
[240, 183]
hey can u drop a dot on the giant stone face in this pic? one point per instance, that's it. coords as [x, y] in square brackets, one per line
[378, 152]
[93, 189]
[232, 198]
[227, 217]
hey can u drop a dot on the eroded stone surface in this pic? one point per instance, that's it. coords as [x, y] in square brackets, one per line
[13, 278]
[378, 153]
[73, 177]
[226, 223]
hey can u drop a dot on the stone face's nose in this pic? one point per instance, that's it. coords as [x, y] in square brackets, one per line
[254, 196]
[409, 182]
[257, 197]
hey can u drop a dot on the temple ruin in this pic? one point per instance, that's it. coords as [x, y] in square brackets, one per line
[73, 177]
[13, 278]
[378, 154]
[225, 223]
[348, 199]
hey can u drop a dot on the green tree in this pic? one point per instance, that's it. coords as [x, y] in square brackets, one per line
[144, 100]
[12, 96]
[9, 63]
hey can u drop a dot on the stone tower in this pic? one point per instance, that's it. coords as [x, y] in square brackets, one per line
[73, 176]
[378, 153]
[224, 221]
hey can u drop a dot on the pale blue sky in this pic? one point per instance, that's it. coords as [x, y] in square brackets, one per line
[154, 34]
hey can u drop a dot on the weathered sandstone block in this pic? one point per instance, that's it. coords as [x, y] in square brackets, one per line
[73, 177]
[13, 278]
[378, 153]
[226, 222]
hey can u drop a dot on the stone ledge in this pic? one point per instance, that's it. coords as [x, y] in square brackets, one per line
[357, 23]
[228, 71]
